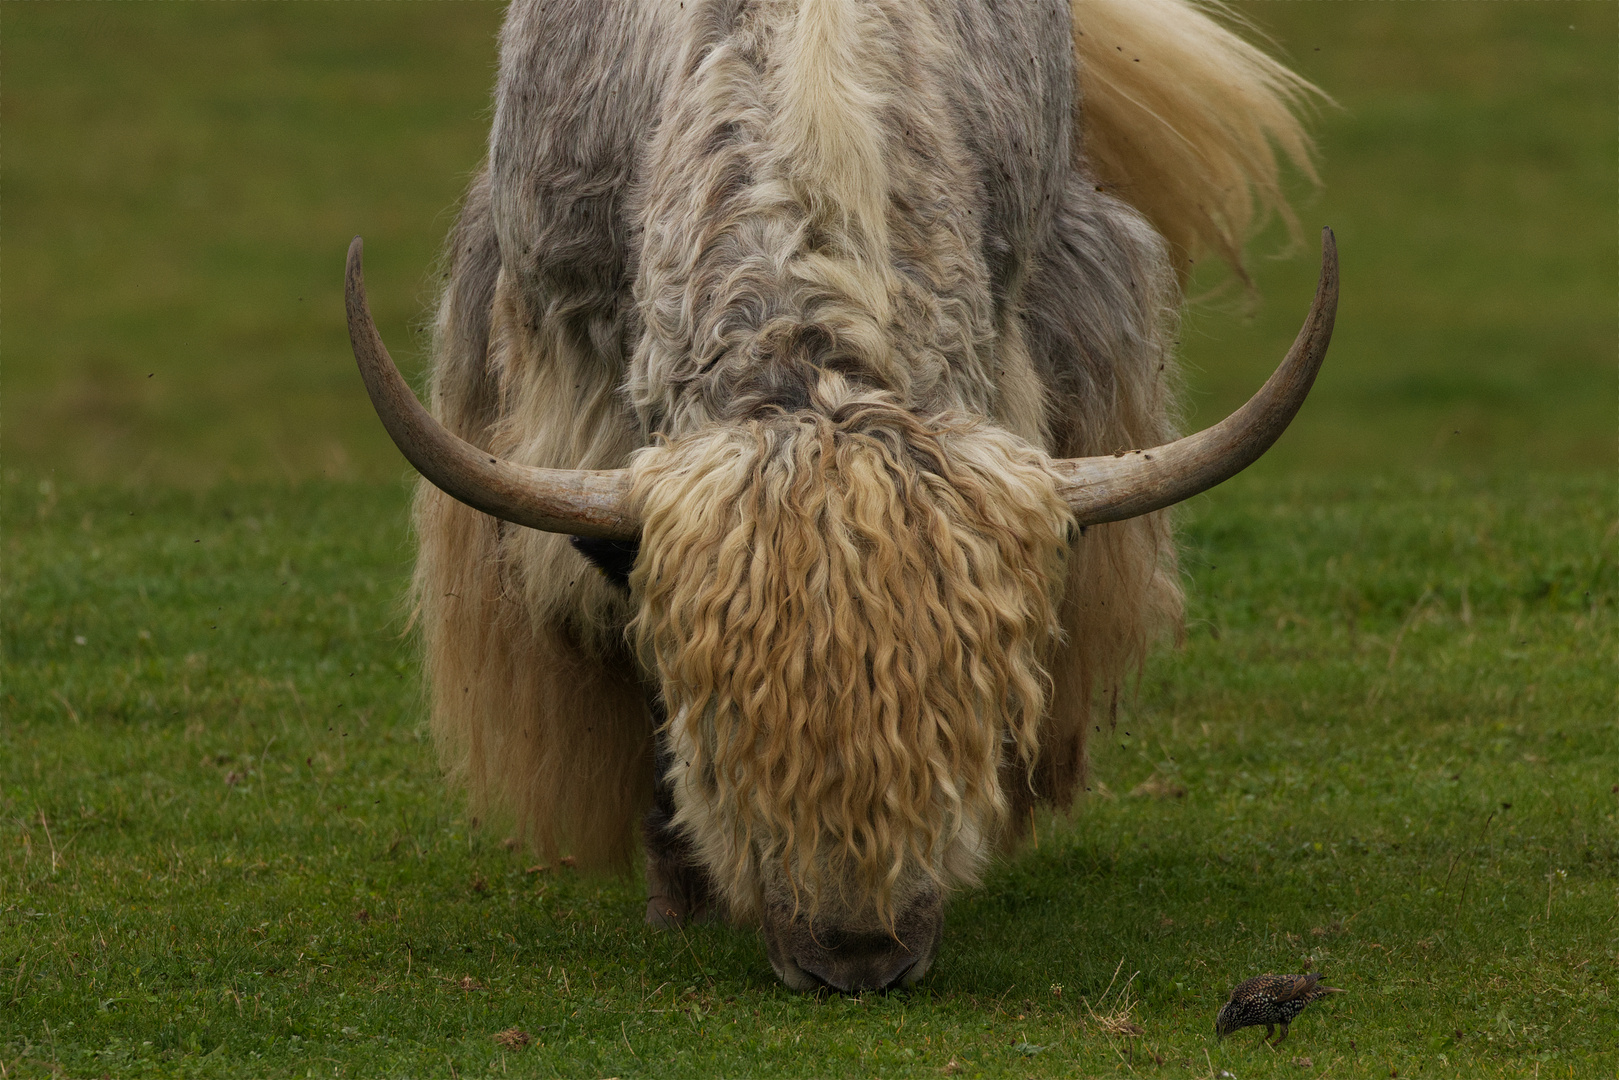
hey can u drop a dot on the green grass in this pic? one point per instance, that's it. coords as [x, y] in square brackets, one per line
[181, 181]
[1469, 176]
[226, 846]
[228, 849]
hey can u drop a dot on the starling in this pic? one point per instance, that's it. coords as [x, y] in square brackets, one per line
[1269, 1000]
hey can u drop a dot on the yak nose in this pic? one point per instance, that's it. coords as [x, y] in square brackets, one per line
[861, 964]
[832, 955]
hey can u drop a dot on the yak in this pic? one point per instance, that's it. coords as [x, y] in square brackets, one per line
[802, 432]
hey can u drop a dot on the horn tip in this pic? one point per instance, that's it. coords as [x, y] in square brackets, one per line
[1329, 259]
[355, 261]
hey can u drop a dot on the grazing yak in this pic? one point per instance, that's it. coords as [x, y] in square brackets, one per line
[802, 428]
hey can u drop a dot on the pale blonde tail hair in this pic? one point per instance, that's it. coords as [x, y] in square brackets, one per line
[848, 611]
[1188, 122]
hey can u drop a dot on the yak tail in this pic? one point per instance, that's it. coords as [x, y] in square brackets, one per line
[1183, 119]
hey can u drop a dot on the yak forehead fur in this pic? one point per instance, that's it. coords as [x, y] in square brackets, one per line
[810, 206]
[848, 636]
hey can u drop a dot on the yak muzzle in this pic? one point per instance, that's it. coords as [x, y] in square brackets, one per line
[823, 955]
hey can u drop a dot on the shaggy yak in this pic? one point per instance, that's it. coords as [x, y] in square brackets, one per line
[801, 430]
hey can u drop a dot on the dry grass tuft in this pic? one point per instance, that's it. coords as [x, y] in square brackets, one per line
[1115, 1019]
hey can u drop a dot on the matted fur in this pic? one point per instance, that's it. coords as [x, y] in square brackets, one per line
[1183, 118]
[849, 637]
[683, 213]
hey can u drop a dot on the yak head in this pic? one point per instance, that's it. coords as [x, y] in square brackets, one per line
[847, 608]
[846, 605]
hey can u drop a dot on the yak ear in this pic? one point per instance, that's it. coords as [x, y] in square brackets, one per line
[614, 558]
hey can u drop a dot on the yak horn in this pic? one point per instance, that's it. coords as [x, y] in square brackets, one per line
[1128, 485]
[594, 503]
[577, 501]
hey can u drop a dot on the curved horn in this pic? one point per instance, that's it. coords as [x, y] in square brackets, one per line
[1103, 489]
[577, 501]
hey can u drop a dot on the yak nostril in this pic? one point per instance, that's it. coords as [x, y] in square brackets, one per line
[898, 978]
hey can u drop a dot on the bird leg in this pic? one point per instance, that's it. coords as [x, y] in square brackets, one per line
[1282, 1036]
[1270, 1029]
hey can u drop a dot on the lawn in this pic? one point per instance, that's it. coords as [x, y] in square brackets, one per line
[1388, 748]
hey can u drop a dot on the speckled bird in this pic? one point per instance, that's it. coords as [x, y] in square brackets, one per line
[1269, 1000]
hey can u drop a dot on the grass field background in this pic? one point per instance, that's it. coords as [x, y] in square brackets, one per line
[1388, 750]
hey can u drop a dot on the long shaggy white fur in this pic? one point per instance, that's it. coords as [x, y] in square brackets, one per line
[535, 706]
